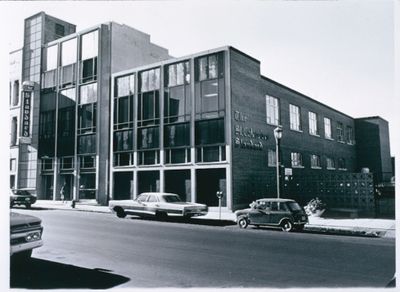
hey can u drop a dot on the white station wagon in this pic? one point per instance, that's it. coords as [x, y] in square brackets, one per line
[160, 205]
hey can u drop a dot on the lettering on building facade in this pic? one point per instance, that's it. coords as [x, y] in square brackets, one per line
[26, 113]
[246, 136]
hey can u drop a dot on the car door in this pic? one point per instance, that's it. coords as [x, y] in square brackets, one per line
[137, 206]
[151, 205]
[278, 211]
[260, 214]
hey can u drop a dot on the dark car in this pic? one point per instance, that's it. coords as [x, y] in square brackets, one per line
[21, 197]
[25, 234]
[283, 213]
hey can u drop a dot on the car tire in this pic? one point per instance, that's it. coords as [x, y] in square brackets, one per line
[161, 216]
[287, 226]
[300, 227]
[120, 213]
[242, 222]
[28, 206]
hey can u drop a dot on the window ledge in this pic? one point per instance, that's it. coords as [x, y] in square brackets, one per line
[297, 166]
[316, 167]
[298, 131]
[341, 142]
[271, 124]
[272, 166]
[342, 169]
[331, 168]
[328, 138]
[315, 135]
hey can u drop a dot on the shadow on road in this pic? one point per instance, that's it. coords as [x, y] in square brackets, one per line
[43, 274]
[194, 221]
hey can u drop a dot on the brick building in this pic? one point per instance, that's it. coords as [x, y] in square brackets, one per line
[118, 116]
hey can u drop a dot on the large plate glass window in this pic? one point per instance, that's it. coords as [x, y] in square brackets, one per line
[89, 52]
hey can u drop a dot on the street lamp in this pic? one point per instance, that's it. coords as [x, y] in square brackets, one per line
[278, 137]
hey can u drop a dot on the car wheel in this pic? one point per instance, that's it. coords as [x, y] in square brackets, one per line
[120, 213]
[287, 225]
[28, 206]
[242, 222]
[162, 216]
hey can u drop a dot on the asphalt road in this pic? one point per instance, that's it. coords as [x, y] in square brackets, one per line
[92, 250]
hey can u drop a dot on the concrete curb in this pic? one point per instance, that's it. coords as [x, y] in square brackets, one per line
[325, 229]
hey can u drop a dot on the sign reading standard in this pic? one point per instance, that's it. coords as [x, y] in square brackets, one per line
[26, 108]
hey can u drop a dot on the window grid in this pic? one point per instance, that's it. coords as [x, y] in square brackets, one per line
[315, 161]
[296, 159]
[328, 128]
[313, 123]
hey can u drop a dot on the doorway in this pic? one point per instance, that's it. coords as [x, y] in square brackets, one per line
[208, 183]
[148, 181]
[178, 182]
[123, 185]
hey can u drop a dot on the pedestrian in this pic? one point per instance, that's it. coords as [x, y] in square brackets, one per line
[62, 192]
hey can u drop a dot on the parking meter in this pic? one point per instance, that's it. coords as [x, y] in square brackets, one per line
[219, 196]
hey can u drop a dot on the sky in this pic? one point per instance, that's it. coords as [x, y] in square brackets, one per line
[340, 53]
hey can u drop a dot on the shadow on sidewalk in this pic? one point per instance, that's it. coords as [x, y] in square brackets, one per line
[42, 274]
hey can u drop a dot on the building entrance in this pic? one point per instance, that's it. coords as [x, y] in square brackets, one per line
[178, 182]
[148, 181]
[47, 187]
[123, 185]
[67, 186]
[208, 183]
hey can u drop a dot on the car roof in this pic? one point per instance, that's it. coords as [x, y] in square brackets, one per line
[275, 200]
[157, 194]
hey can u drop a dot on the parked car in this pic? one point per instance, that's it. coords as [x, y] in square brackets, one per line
[21, 197]
[284, 213]
[160, 205]
[25, 235]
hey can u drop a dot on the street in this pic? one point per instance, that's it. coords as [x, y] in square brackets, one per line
[93, 250]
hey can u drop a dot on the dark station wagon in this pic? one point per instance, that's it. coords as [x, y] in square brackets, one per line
[283, 213]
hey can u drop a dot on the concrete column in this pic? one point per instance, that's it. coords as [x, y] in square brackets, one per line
[193, 184]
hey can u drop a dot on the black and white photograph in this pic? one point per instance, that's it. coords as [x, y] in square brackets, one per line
[199, 144]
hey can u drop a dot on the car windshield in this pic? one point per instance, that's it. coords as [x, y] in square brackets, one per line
[294, 206]
[171, 198]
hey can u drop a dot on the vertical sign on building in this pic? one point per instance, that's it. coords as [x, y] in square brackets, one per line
[27, 89]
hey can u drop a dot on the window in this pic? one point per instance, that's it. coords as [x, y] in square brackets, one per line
[330, 163]
[66, 131]
[176, 135]
[89, 70]
[125, 85]
[339, 132]
[150, 80]
[341, 164]
[296, 159]
[87, 144]
[123, 141]
[51, 58]
[315, 161]
[14, 127]
[148, 108]
[328, 128]
[177, 93]
[47, 164]
[211, 153]
[67, 163]
[271, 157]
[210, 132]
[87, 161]
[15, 93]
[209, 87]
[123, 159]
[88, 93]
[148, 157]
[59, 30]
[313, 123]
[177, 155]
[89, 46]
[13, 164]
[68, 52]
[294, 117]
[349, 135]
[272, 109]
[152, 198]
[87, 186]
[177, 74]
[87, 118]
[49, 79]
[148, 138]
[209, 67]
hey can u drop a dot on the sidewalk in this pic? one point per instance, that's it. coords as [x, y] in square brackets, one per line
[357, 226]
